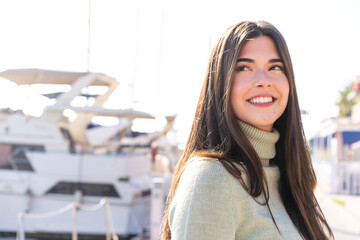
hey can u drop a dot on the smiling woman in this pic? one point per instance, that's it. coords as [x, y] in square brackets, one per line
[241, 175]
[260, 89]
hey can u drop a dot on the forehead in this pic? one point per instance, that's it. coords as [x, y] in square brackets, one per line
[259, 46]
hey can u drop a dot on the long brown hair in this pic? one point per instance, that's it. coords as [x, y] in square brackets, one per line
[216, 128]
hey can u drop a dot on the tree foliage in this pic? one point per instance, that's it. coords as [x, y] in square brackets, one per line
[345, 103]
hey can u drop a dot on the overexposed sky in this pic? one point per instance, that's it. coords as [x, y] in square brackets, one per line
[162, 47]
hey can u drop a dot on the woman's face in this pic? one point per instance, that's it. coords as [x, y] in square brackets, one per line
[260, 88]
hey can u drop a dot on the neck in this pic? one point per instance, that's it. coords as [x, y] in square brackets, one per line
[263, 142]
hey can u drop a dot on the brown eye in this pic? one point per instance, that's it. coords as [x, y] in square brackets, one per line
[242, 68]
[276, 68]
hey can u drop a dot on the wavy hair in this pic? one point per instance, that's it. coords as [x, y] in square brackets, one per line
[216, 133]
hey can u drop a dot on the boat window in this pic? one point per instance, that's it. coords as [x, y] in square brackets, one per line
[30, 148]
[87, 189]
[146, 192]
[13, 156]
[5, 151]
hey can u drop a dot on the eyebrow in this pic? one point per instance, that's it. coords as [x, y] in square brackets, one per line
[249, 60]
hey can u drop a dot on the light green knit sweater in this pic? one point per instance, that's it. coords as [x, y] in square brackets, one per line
[211, 204]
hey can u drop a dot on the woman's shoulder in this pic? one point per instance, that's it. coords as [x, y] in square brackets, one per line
[207, 171]
[202, 161]
[197, 210]
[205, 166]
[207, 178]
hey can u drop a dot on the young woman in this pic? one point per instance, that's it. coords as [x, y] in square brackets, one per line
[246, 171]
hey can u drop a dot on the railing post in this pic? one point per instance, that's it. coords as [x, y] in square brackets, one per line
[74, 232]
[107, 219]
[20, 232]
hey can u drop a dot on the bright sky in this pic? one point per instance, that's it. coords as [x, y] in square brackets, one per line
[162, 47]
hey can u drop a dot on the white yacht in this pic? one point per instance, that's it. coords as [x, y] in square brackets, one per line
[48, 162]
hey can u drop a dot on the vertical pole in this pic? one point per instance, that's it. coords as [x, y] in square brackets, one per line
[88, 55]
[107, 219]
[134, 78]
[157, 206]
[74, 233]
[158, 81]
[20, 233]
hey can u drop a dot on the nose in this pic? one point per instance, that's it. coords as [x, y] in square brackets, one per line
[262, 80]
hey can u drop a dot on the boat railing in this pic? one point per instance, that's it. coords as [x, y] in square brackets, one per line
[346, 178]
[74, 207]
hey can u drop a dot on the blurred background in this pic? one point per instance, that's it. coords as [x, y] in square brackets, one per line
[158, 51]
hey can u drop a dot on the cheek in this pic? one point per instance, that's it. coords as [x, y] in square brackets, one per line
[284, 89]
[236, 97]
[238, 88]
[236, 93]
[287, 89]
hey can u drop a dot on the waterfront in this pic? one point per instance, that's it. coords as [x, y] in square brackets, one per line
[341, 211]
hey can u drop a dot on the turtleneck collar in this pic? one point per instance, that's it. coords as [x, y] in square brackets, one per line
[262, 141]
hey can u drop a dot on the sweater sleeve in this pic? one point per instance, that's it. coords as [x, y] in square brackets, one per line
[204, 206]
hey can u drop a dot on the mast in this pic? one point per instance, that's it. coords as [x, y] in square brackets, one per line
[89, 28]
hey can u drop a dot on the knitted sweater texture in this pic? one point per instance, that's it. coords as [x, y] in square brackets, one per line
[211, 204]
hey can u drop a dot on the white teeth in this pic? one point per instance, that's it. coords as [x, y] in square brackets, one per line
[261, 100]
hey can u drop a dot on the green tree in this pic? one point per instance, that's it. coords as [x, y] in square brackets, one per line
[345, 102]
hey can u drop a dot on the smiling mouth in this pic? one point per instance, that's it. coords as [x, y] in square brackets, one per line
[261, 100]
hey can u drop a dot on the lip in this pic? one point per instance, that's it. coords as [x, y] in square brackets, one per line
[262, 104]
